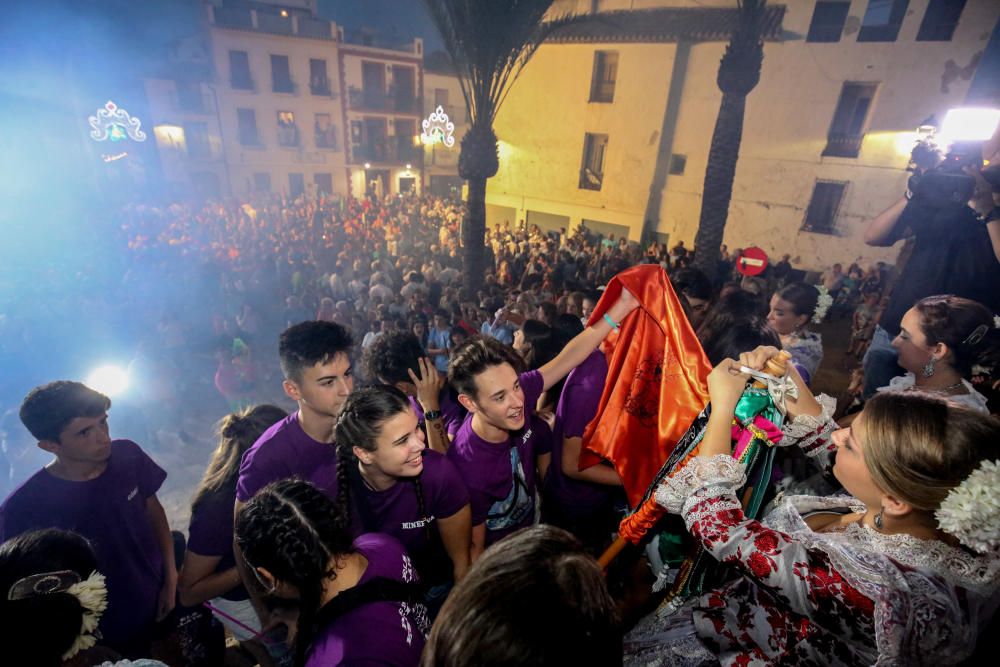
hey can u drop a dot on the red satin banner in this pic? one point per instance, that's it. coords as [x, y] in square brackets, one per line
[656, 384]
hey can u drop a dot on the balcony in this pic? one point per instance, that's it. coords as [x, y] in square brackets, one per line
[275, 24]
[283, 85]
[320, 86]
[288, 136]
[388, 151]
[366, 99]
[192, 102]
[843, 145]
[242, 18]
[326, 138]
[240, 82]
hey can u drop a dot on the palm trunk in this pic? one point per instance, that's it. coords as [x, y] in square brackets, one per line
[718, 188]
[474, 238]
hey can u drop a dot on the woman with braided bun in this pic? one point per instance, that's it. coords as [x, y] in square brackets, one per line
[903, 571]
[790, 311]
[392, 483]
[209, 570]
[343, 600]
[940, 338]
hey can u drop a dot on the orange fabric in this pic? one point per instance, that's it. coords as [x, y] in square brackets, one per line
[657, 381]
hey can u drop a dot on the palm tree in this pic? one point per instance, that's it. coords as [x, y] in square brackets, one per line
[739, 73]
[489, 43]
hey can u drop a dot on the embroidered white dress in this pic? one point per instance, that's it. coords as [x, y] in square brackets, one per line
[851, 597]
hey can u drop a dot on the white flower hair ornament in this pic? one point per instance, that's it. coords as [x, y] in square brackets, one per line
[971, 511]
[91, 593]
[823, 304]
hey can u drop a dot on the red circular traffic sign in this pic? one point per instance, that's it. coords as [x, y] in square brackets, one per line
[752, 261]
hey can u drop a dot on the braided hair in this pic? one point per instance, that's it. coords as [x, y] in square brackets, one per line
[295, 532]
[359, 425]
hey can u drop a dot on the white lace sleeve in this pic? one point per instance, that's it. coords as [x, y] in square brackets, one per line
[703, 477]
[812, 433]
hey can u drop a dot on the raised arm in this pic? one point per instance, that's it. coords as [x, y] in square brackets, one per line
[578, 349]
[880, 231]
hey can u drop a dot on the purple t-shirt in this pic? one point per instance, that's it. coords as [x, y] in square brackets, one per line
[285, 451]
[211, 534]
[452, 412]
[378, 633]
[501, 476]
[110, 511]
[578, 403]
[397, 512]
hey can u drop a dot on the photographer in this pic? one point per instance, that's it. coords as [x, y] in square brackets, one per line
[956, 247]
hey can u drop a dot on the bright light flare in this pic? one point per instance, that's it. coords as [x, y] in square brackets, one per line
[969, 124]
[109, 380]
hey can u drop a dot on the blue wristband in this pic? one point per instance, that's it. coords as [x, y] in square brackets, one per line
[614, 325]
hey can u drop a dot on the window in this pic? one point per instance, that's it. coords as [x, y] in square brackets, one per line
[847, 130]
[288, 131]
[296, 185]
[247, 123]
[326, 132]
[677, 164]
[822, 211]
[261, 182]
[318, 83]
[882, 20]
[281, 76]
[940, 20]
[324, 183]
[602, 84]
[592, 169]
[196, 137]
[189, 96]
[828, 21]
[239, 71]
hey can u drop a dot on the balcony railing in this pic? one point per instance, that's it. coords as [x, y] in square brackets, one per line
[192, 102]
[283, 85]
[843, 145]
[288, 136]
[391, 150]
[320, 86]
[590, 180]
[273, 23]
[261, 21]
[239, 82]
[365, 99]
[326, 138]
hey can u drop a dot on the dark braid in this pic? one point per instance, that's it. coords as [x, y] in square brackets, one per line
[295, 532]
[345, 461]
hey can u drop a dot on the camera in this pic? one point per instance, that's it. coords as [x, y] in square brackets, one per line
[940, 180]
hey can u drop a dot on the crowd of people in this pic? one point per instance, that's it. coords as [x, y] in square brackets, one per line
[423, 501]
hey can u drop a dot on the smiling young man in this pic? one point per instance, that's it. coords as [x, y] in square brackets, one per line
[501, 445]
[105, 490]
[315, 359]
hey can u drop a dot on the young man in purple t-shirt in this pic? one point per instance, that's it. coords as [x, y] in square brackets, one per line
[493, 451]
[315, 359]
[105, 490]
[395, 359]
[581, 501]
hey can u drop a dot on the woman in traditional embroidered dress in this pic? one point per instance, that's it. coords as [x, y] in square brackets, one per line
[790, 311]
[939, 340]
[904, 572]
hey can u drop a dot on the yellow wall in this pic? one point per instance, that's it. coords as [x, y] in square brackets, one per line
[542, 124]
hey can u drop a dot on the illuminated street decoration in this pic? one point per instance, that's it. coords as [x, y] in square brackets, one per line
[115, 124]
[115, 157]
[438, 129]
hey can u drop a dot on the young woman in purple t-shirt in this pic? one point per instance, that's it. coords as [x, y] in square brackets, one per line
[299, 562]
[209, 570]
[394, 485]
